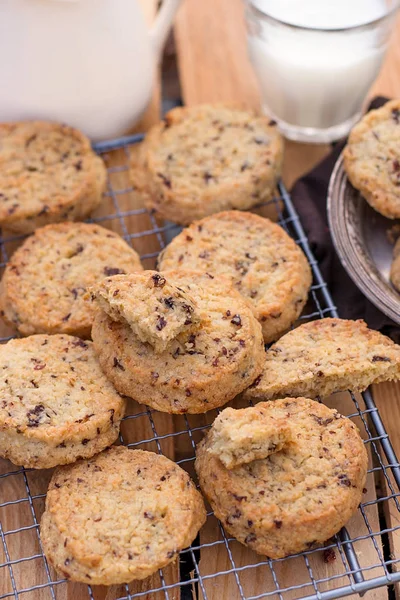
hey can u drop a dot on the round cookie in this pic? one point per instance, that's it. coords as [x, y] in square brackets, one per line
[297, 497]
[265, 265]
[372, 158]
[46, 278]
[198, 371]
[326, 356]
[56, 405]
[48, 173]
[119, 516]
[395, 268]
[207, 158]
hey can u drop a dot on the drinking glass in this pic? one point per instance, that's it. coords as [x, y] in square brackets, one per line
[315, 61]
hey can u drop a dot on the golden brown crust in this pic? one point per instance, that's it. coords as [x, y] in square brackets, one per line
[371, 158]
[48, 173]
[208, 158]
[263, 262]
[43, 286]
[198, 371]
[326, 356]
[118, 517]
[297, 497]
[56, 403]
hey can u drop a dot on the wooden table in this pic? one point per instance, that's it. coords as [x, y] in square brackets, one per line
[213, 66]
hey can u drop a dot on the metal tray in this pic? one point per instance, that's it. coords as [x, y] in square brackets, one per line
[361, 239]
[215, 565]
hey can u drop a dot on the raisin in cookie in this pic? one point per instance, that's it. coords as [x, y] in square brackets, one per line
[199, 370]
[48, 173]
[119, 516]
[56, 404]
[155, 310]
[294, 498]
[44, 283]
[204, 159]
[263, 262]
[241, 436]
[372, 158]
[326, 356]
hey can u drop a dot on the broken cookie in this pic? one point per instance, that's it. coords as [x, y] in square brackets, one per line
[240, 436]
[156, 310]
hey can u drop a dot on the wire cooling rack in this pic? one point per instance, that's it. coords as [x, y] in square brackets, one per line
[360, 558]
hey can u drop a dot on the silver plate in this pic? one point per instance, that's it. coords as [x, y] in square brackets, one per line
[360, 236]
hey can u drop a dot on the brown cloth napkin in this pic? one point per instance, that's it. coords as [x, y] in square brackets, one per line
[309, 196]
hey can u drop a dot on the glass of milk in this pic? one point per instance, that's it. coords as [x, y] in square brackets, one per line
[316, 60]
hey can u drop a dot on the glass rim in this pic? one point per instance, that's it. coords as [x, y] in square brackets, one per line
[390, 12]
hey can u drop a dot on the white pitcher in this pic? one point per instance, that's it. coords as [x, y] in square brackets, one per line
[88, 63]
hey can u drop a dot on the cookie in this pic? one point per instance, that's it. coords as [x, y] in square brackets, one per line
[155, 310]
[56, 405]
[297, 497]
[44, 282]
[326, 356]
[372, 158]
[395, 268]
[207, 158]
[48, 173]
[198, 371]
[241, 436]
[119, 516]
[264, 264]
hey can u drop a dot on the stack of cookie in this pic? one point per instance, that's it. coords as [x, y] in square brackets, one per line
[181, 341]
[283, 475]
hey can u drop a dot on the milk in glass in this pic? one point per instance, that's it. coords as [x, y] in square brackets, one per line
[315, 61]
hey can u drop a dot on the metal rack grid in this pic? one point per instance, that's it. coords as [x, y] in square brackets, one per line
[345, 570]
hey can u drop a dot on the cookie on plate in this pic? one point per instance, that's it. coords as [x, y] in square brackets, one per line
[48, 173]
[46, 278]
[207, 158]
[155, 310]
[56, 404]
[203, 367]
[372, 158]
[241, 436]
[264, 264]
[326, 356]
[119, 516]
[297, 497]
[395, 268]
